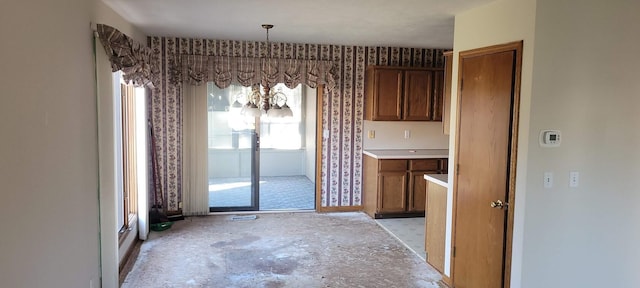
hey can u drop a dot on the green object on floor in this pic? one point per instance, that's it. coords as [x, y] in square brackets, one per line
[161, 226]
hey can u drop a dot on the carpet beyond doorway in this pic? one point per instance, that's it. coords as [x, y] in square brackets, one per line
[278, 250]
[276, 192]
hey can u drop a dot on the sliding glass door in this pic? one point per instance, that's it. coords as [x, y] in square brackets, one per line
[232, 155]
[260, 163]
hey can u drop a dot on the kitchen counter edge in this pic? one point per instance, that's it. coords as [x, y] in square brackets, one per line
[407, 153]
[440, 179]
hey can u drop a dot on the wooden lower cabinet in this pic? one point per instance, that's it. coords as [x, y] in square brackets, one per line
[435, 222]
[417, 197]
[396, 187]
[393, 198]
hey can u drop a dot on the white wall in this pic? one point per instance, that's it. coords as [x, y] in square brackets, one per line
[390, 135]
[499, 22]
[585, 83]
[105, 15]
[237, 163]
[48, 151]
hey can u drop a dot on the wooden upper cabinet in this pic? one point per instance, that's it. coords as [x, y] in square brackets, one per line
[399, 93]
[386, 84]
[437, 107]
[417, 95]
[448, 66]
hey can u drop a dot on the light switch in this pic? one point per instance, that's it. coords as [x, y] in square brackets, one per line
[548, 180]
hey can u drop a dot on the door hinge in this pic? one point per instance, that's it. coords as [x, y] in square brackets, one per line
[453, 252]
[461, 84]
[457, 169]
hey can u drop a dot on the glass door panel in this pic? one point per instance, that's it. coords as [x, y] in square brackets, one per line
[238, 144]
[232, 157]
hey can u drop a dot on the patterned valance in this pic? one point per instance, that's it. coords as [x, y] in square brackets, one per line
[247, 71]
[135, 60]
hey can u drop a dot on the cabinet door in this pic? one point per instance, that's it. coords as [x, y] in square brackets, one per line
[392, 192]
[393, 165]
[417, 191]
[435, 225]
[437, 98]
[386, 95]
[446, 94]
[417, 93]
[444, 166]
[428, 165]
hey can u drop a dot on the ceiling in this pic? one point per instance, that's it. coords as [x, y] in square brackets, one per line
[398, 23]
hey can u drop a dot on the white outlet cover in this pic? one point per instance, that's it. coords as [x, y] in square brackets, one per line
[574, 179]
[548, 180]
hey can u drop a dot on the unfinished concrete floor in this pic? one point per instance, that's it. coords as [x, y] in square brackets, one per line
[278, 250]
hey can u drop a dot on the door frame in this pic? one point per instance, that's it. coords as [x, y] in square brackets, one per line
[513, 149]
[319, 132]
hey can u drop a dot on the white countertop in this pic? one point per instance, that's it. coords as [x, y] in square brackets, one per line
[440, 179]
[407, 153]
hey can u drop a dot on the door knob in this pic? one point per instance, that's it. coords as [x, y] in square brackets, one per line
[499, 204]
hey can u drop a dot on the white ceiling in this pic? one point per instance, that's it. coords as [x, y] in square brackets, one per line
[396, 23]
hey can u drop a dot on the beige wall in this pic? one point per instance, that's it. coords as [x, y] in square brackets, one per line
[585, 83]
[49, 150]
[391, 135]
[111, 253]
[579, 77]
[499, 22]
[48, 155]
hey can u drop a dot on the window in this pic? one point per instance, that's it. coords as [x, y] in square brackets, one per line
[126, 156]
[226, 123]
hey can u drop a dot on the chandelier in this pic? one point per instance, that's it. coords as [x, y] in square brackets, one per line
[270, 103]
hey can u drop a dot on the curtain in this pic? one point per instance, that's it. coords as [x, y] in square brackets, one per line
[135, 60]
[250, 71]
[195, 151]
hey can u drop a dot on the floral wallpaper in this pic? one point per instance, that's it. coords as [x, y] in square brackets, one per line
[343, 109]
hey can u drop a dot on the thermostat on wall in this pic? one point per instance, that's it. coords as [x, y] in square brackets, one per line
[550, 138]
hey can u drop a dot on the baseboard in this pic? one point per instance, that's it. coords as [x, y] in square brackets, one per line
[128, 260]
[398, 215]
[339, 209]
[173, 218]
